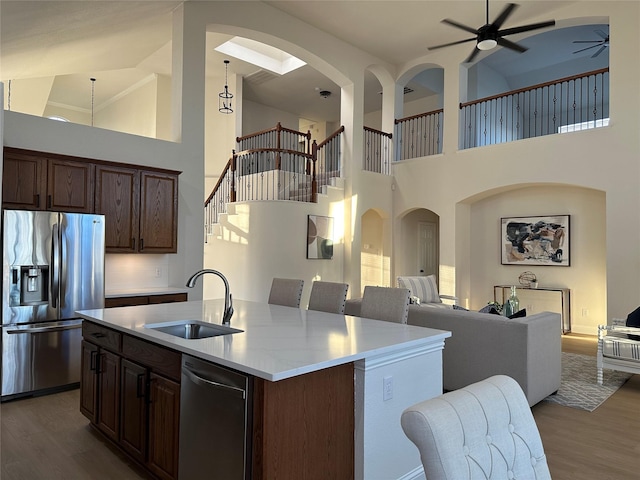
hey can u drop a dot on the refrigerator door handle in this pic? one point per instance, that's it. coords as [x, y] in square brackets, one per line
[55, 271]
[55, 328]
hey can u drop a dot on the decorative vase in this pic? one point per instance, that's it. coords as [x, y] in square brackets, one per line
[512, 305]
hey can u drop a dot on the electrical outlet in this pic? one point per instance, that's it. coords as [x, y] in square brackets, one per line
[157, 272]
[387, 388]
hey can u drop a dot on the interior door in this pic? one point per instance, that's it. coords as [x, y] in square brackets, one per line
[428, 261]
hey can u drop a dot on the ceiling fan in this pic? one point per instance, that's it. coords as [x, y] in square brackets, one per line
[604, 43]
[490, 35]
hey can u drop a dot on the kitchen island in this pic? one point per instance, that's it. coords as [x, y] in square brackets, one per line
[319, 406]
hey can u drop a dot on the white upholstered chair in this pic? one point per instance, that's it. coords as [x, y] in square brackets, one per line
[328, 296]
[385, 303]
[425, 289]
[286, 291]
[483, 431]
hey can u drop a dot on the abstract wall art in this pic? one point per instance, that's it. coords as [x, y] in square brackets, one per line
[319, 237]
[540, 240]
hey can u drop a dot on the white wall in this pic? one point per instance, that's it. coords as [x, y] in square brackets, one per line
[262, 240]
[134, 112]
[257, 117]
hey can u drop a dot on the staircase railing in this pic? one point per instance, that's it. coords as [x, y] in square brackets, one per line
[280, 164]
[377, 151]
[419, 135]
[328, 158]
[567, 104]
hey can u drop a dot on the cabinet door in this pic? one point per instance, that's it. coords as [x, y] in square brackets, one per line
[70, 186]
[118, 199]
[158, 213]
[109, 394]
[133, 409]
[88, 382]
[24, 181]
[164, 423]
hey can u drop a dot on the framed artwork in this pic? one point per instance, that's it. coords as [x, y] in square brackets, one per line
[319, 237]
[542, 240]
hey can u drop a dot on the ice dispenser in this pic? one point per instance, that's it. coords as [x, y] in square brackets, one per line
[29, 285]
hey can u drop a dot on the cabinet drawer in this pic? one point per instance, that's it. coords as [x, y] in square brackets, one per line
[159, 359]
[125, 301]
[168, 298]
[105, 337]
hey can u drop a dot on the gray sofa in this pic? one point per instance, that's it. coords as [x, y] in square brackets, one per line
[481, 345]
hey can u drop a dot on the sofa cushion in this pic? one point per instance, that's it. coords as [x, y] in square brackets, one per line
[424, 288]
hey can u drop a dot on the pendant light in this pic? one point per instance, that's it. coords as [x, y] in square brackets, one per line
[224, 98]
[93, 84]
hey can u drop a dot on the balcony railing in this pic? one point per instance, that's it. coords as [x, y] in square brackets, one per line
[543, 109]
[419, 135]
[377, 151]
[268, 172]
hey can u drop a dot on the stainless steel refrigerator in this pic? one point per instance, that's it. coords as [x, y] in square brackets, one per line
[52, 265]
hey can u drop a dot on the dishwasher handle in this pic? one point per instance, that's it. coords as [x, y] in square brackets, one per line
[210, 383]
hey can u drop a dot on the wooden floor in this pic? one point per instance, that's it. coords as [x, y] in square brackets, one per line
[599, 445]
[48, 438]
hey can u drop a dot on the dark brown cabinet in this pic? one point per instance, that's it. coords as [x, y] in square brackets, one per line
[158, 213]
[140, 207]
[144, 300]
[118, 199]
[34, 181]
[164, 425]
[133, 409]
[130, 391]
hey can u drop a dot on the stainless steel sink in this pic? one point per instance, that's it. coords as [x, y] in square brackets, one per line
[192, 329]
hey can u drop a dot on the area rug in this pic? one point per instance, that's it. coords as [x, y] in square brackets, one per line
[579, 387]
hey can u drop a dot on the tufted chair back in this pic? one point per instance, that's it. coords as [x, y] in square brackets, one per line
[483, 431]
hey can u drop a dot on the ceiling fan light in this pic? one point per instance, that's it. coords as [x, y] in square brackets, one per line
[487, 44]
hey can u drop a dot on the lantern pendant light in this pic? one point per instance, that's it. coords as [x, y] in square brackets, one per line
[224, 98]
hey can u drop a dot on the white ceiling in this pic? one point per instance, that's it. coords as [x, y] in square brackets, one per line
[122, 43]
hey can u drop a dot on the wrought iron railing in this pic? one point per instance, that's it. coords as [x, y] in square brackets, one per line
[266, 172]
[277, 137]
[419, 135]
[567, 104]
[377, 151]
[328, 157]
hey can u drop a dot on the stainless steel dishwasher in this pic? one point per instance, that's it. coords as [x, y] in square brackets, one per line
[215, 420]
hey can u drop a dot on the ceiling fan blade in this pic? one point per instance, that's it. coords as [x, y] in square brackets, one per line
[587, 48]
[503, 42]
[602, 34]
[526, 28]
[587, 41]
[472, 55]
[453, 23]
[599, 51]
[452, 43]
[506, 11]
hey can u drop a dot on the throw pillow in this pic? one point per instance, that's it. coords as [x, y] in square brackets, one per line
[458, 307]
[489, 309]
[633, 319]
[519, 314]
[424, 288]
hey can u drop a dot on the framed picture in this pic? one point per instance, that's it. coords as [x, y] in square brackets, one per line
[535, 241]
[319, 237]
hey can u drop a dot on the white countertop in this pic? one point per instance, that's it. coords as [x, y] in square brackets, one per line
[277, 342]
[137, 292]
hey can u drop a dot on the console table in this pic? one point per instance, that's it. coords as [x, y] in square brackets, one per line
[539, 299]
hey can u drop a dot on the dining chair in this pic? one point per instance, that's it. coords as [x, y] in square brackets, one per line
[328, 296]
[482, 431]
[286, 291]
[385, 303]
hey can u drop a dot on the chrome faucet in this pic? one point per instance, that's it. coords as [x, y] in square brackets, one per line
[228, 303]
